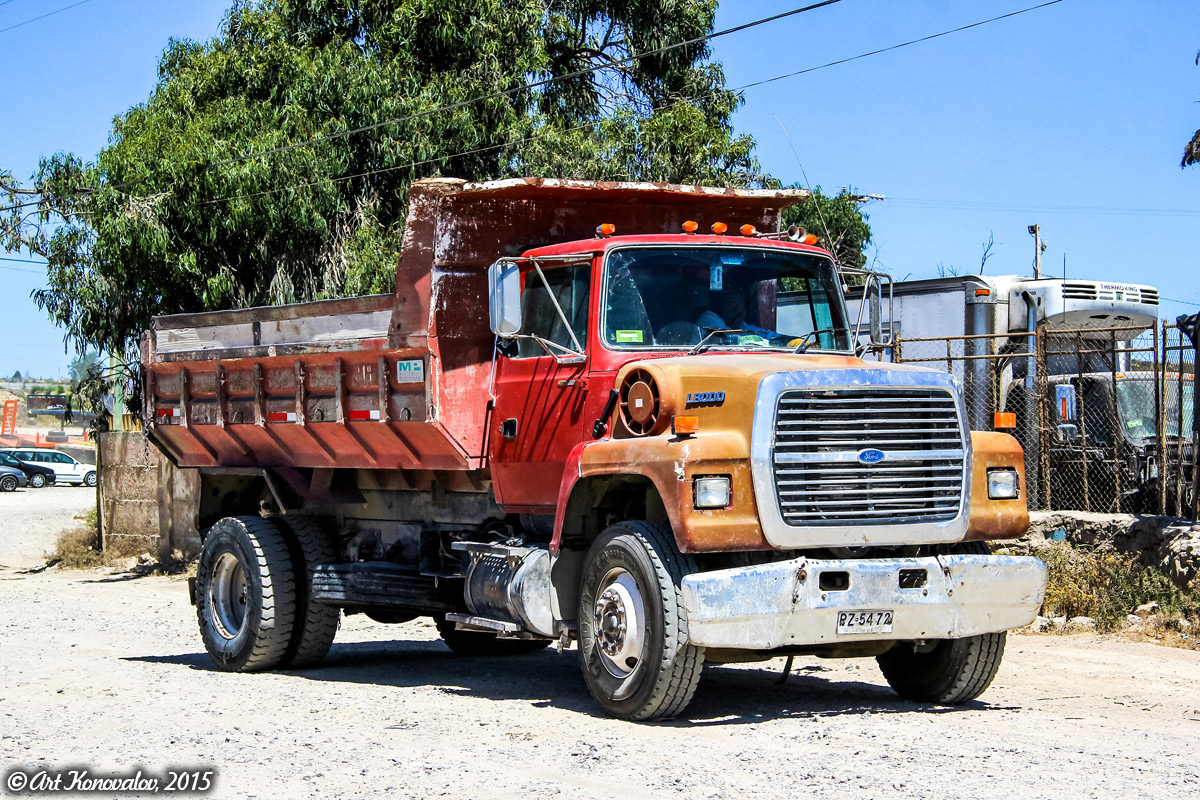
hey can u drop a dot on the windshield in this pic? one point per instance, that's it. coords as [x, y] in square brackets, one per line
[737, 297]
[1135, 403]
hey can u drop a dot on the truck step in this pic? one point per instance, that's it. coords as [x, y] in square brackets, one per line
[379, 584]
[469, 622]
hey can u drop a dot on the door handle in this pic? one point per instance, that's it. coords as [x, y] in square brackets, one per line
[508, 428]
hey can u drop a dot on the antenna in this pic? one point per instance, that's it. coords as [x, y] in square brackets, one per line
[820, 216]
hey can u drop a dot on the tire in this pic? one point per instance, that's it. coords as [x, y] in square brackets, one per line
[478, 643]
[310, 542]
[8, 484]
[245, 594]
[633, 639]
[89, 479]
[951, 671]
[37, 480]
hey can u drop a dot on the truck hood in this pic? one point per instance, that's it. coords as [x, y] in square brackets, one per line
[722, 388]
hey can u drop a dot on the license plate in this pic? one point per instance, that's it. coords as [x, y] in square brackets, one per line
[866, 621]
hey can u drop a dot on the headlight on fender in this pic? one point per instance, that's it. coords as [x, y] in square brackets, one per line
[1003, 484]
[711, 492]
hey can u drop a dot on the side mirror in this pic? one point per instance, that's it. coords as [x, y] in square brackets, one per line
[875, 298]
[1067, 433]
[504, 290]
[1065, 402]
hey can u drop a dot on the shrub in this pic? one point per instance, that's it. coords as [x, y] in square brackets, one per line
[1107, 585]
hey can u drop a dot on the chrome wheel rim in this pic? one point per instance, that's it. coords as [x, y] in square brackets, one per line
[620, 619]
[227, 595]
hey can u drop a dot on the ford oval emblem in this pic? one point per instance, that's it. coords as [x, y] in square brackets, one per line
[870, 456]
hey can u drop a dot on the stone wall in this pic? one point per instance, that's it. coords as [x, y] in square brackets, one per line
[1168, 544]
[147, 505]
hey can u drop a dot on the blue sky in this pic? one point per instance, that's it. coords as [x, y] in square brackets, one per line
[1072, 116]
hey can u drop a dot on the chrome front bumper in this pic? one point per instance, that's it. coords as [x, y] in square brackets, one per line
[782, 603]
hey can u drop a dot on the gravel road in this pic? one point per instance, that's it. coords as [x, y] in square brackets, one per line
[31, 519]
[105, 669]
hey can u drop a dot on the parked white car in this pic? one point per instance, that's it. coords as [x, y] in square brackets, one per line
[66, 469]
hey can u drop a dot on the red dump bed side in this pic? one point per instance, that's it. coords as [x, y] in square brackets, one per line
[393, 381]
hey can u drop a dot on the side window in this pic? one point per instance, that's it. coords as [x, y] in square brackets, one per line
[570, 287]
[63, 458]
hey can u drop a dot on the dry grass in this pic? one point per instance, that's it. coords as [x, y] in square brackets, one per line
[77, 547]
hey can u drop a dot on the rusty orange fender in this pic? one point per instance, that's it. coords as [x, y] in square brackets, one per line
[996, 519]
[670, 464]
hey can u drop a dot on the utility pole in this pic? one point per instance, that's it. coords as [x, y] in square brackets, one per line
[1039, 247]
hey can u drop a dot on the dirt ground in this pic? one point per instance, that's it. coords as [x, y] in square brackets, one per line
[105, 669]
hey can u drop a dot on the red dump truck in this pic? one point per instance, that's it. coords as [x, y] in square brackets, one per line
[584, 416]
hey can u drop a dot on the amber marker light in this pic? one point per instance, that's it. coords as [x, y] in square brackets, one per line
[810, 239]
[749, 230]
[1004, 420]
[691, 226]
[685, 425]
[719, 228]
[606, 229]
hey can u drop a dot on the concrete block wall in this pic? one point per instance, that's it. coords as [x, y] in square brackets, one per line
[147, 505]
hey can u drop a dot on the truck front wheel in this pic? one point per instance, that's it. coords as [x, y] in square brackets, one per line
[633, 639]
[948, 672]
[245, 594]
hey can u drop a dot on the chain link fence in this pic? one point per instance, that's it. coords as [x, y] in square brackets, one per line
[1104, 414]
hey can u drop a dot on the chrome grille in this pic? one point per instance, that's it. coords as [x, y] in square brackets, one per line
[820, 432]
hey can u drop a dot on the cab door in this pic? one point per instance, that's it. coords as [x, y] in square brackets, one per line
[538, 417]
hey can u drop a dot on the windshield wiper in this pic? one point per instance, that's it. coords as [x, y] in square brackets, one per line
[703, 344]
[804, 345]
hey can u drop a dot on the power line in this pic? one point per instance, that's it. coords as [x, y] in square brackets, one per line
[594, 123]
[43, 16]
[460, 104]
[475, 151]
[1173, 300]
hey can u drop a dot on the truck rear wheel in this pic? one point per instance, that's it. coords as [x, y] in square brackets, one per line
[245, 594]
[950, 672]
[633, 639]
[478, 643]
[316, 624]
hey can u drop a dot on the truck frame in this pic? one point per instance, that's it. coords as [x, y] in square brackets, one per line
[536, 439]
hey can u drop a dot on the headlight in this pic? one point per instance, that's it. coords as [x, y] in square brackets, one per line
[711, 492]
[1003, 484]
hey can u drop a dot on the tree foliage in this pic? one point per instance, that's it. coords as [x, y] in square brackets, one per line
[172, 216]
[838, 222]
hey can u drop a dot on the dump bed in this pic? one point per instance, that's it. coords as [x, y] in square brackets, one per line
[393, 381]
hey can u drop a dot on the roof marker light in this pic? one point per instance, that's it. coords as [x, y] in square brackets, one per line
[605, 230]
[691, 226]
[719, 228]
[749, 230]
[810, 239]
